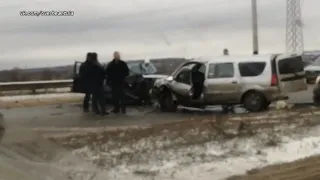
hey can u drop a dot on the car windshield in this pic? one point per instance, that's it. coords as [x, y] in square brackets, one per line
[139, 67]
[143, 68]
[316, 62]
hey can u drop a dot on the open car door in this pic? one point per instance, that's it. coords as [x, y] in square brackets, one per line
[291, 74]
[77, 85]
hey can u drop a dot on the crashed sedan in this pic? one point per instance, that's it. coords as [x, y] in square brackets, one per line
[138, 85]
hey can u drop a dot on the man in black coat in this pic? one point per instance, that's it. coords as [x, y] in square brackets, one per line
[197, 81]
[86, 81]
[97, 76]
[117, 71]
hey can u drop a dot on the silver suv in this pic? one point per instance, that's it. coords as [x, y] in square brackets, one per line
[253, 81]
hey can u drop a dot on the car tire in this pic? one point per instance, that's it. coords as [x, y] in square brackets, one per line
[266, 105]
[254, 101]
[167, 104]
[316, 100]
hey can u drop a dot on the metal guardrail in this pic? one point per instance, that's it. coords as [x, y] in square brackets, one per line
[34, 85]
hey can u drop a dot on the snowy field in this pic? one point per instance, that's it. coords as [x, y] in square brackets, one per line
[163, 159]
[39, 97]
[180, 151]
[38, 100]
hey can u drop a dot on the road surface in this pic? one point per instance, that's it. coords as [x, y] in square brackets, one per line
[71, 115]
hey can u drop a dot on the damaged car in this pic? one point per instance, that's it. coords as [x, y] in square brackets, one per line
[253, 82]
[138, 83]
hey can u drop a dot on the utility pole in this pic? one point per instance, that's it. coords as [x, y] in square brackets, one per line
[254, 27]
[294, 28]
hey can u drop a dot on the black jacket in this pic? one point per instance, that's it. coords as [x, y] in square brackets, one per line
[92, 75]
[117, 71]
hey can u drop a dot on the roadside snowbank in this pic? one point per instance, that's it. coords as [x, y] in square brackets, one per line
[166, 158]
[38, 91]
[39, 97]
[36, 100]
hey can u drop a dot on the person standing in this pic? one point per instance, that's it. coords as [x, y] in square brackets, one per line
[86, 81]
[227, 108]
[147, 67]
[117, 71]
[98, 76]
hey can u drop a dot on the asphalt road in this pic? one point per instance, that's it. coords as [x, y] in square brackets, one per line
[71, 115]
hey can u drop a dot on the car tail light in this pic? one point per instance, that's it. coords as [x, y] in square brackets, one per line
[274, 80]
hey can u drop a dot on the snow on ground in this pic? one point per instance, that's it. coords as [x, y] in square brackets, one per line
[39, 82]
[38, 91]
[186, 150]
[40, 97]
[176, 157]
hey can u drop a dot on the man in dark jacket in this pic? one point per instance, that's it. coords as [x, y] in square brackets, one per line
[197, 81]
[117, 71]
[97, 75]
[85, 81]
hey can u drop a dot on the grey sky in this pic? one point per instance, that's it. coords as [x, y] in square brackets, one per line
[143, 28]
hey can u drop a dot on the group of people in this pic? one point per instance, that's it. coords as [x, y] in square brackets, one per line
[93, 75]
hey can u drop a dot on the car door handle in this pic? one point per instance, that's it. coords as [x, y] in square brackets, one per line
[234, 82]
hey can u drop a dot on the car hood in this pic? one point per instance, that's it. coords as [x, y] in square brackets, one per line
[155, 76]
[312, 68]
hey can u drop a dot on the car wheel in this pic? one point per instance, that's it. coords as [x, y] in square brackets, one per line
[167, 104]
[316, 100]
[254, 101]
[266, 105]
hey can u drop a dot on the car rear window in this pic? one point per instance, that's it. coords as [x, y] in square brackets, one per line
[250, 69]
[291, 65]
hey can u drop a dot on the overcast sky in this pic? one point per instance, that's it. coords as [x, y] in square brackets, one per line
[143, 29]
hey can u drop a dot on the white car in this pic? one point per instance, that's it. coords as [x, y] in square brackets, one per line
[252, 81]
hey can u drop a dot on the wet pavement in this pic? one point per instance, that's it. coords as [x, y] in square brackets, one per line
[71, 115]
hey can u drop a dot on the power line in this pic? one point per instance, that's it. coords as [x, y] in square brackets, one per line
[294, 31]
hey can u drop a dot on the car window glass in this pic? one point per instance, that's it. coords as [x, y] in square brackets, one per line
[143, 68]
[184, 77]
[203, 69]
[221, 70]
[250, 69]
[291, 65]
